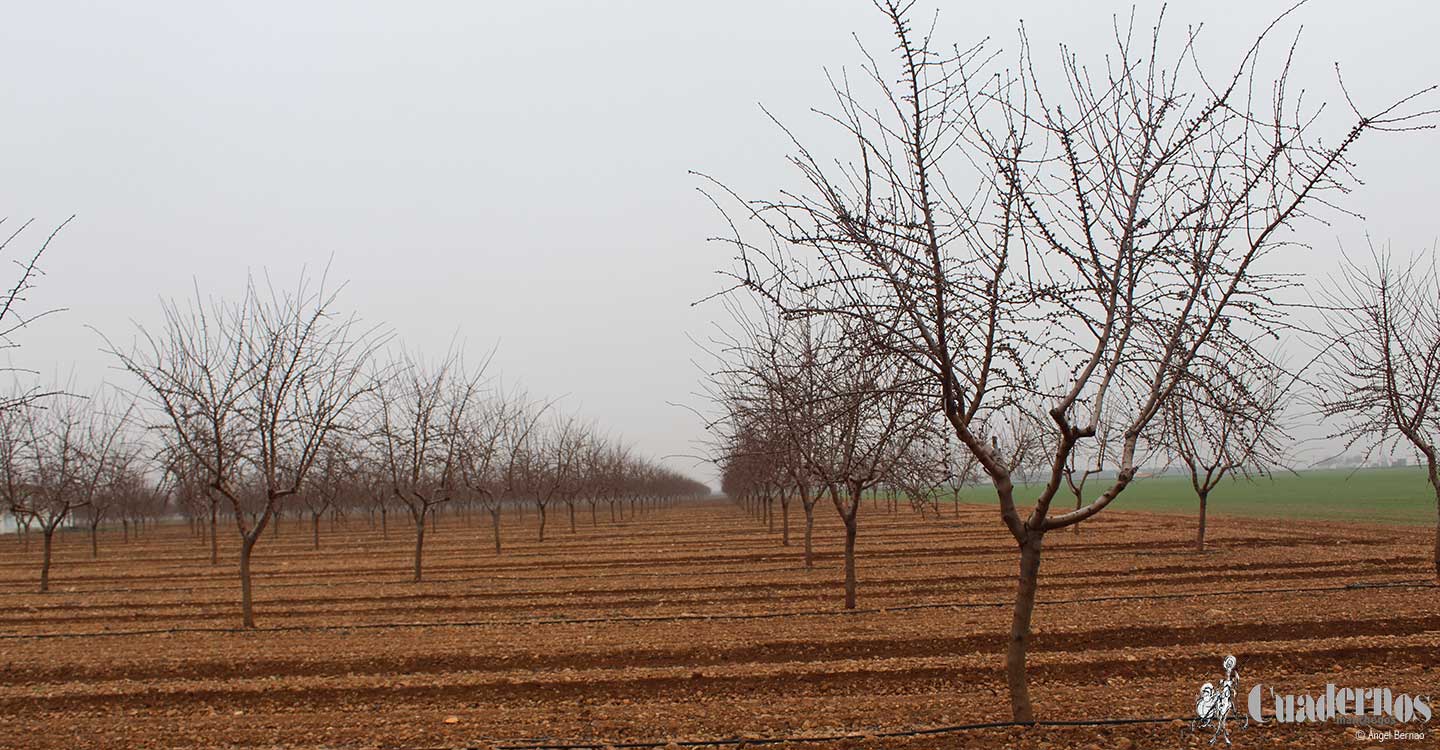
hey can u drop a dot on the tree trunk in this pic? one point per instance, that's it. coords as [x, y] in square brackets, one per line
[809, 534]
[94, 540]
[419, 542]
[850, 528]
[49, 533]
[1020, 629]
[1435, 482]
[1437, 536]
[541, 509]
[247, 612]
[495, 524]
[1200, 534]
[594, 522]
[572, 519]
[384, 523]
[784, 522]
[214, 538]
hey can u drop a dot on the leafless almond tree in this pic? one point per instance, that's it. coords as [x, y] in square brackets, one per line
[333, 478]
[423, 412]
[1051, 254]
[42, 465]
[109, 461]
[1381, 377]
[1225, 419]
[253, 390]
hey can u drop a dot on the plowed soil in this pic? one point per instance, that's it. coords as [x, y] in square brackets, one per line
[696, 623]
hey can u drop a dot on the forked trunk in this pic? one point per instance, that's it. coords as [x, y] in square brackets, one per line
[1020, 629]
[247, 545]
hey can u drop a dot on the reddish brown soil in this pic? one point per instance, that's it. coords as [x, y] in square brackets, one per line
[695, 623]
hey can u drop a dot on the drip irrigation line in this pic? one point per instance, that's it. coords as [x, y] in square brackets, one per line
[689, 617]
[748, 741]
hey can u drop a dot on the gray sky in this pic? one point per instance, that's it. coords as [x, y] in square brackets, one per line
[515, 172]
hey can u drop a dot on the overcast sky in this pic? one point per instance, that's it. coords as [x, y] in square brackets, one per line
[516, 173]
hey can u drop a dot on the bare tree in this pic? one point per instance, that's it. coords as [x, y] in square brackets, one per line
[42, 465]
[123, 487]
[1055, 255]
[1381, 376]
[572, 452]
[834, 403]
[324, 488]
[520, 422]
[109, 456]
[1225, 420]
[423, 413]
[482, 456]
[548, 462]
[252, 391]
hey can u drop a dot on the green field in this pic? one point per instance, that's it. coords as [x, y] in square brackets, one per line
[1389, 496]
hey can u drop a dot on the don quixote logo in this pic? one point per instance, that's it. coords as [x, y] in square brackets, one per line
[1376, 713]
[1215, 704]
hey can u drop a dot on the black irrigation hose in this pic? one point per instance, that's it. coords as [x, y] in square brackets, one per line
[750, 741]
[688, 617]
